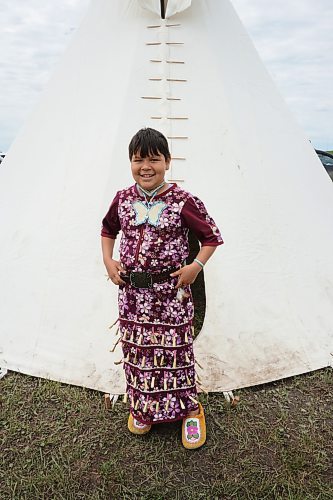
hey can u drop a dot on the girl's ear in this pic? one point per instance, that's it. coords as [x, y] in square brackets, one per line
[167, 162]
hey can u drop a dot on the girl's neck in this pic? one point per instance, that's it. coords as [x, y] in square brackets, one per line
[156, 190]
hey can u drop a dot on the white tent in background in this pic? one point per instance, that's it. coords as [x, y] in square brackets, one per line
[197, 77]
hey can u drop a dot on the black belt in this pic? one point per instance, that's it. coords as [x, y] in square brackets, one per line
[146, 279]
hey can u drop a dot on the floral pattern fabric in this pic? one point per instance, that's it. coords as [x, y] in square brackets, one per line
[156, 323]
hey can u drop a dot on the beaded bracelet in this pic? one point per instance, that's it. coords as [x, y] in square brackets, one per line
[199, 262]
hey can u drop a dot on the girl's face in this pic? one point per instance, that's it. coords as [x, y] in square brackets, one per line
[149, 172]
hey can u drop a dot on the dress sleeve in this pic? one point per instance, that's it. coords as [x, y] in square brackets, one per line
[196, 218]
[111, 222]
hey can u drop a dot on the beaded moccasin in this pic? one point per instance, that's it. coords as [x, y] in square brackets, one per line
[194, 430]
[137, 427]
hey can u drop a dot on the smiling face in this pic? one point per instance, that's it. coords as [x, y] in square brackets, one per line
[149, 172]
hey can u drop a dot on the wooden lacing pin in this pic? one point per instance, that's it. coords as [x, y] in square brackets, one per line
[143, 362]
[137, 405]
[177, 137]
[150, 97]
[152, 385]
[194, 400]
[175, 382]
[125, 398]
[181, 404]
[175, 80]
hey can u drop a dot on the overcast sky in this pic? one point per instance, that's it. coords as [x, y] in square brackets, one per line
[293, 37]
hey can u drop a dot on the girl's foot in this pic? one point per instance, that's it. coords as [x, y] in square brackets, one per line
[194, 429]
[137, 427]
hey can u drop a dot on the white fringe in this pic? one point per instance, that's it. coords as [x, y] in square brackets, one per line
[228, 396]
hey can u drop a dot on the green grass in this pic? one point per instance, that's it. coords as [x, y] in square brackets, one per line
[59, 442]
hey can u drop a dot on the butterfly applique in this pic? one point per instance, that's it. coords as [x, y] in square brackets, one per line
[151, 214]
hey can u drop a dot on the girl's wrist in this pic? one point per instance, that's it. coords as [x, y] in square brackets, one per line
[198, 263]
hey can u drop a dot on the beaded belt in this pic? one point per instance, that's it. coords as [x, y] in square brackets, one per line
[146, 279]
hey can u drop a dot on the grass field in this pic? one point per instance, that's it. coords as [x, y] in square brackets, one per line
[59, 442]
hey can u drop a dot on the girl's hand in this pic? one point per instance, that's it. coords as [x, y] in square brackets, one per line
[187, 274]
[114, 268]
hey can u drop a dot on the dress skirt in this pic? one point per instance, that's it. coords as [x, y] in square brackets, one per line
[157, 342]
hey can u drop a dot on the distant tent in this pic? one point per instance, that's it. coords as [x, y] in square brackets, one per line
[197, 77]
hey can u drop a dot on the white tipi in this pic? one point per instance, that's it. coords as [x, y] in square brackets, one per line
[195, 76]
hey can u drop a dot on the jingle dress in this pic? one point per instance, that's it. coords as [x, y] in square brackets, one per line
[155, 323]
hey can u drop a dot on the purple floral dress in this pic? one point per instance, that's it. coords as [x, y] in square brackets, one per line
[156, 323]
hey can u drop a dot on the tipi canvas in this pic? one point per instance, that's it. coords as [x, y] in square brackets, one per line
[196, 76]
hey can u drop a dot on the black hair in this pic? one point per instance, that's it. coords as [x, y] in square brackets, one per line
[149, 141]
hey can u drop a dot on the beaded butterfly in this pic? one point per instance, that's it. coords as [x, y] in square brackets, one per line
[151, 213]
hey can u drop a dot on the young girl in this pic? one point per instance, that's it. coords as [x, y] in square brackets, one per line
[155, 302]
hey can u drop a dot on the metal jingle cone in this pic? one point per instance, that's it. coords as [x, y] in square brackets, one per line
[137, 405]
[167, 405]
[175, 382]
[145, 407]
[162, 339]
[143, 362]
[182, 404]
[152, 385]
[186, 337]
[194, 400]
